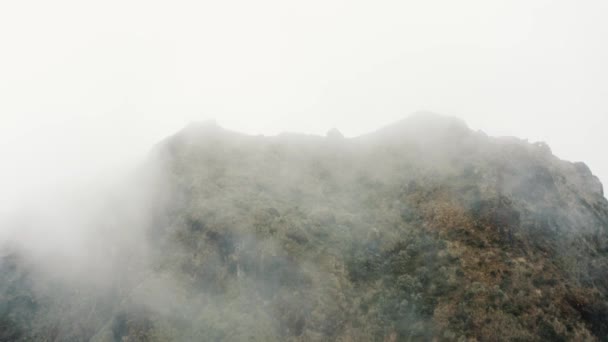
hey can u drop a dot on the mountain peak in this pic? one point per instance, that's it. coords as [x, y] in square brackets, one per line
[334, 134]
[424, 127]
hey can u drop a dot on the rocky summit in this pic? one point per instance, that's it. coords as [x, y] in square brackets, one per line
[424, 230]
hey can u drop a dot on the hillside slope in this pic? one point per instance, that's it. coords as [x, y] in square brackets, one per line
[423, 230]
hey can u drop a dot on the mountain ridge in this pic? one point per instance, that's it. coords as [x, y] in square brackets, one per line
[421, 230]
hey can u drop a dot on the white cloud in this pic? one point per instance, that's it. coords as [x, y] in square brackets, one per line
[86, 86]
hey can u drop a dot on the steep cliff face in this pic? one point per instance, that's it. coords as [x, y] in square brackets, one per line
[423, 230]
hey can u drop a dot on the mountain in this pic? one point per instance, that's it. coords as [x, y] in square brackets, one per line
[423, 230]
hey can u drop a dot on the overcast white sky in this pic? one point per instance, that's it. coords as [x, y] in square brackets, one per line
[86, 86]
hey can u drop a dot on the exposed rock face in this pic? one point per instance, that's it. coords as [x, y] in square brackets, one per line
[587, 180]
[424, 230]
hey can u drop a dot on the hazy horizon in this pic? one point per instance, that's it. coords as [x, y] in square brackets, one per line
[86, 89]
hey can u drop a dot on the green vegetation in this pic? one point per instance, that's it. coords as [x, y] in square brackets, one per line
[422, 231]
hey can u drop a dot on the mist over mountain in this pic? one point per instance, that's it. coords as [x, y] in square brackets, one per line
[423, 230]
